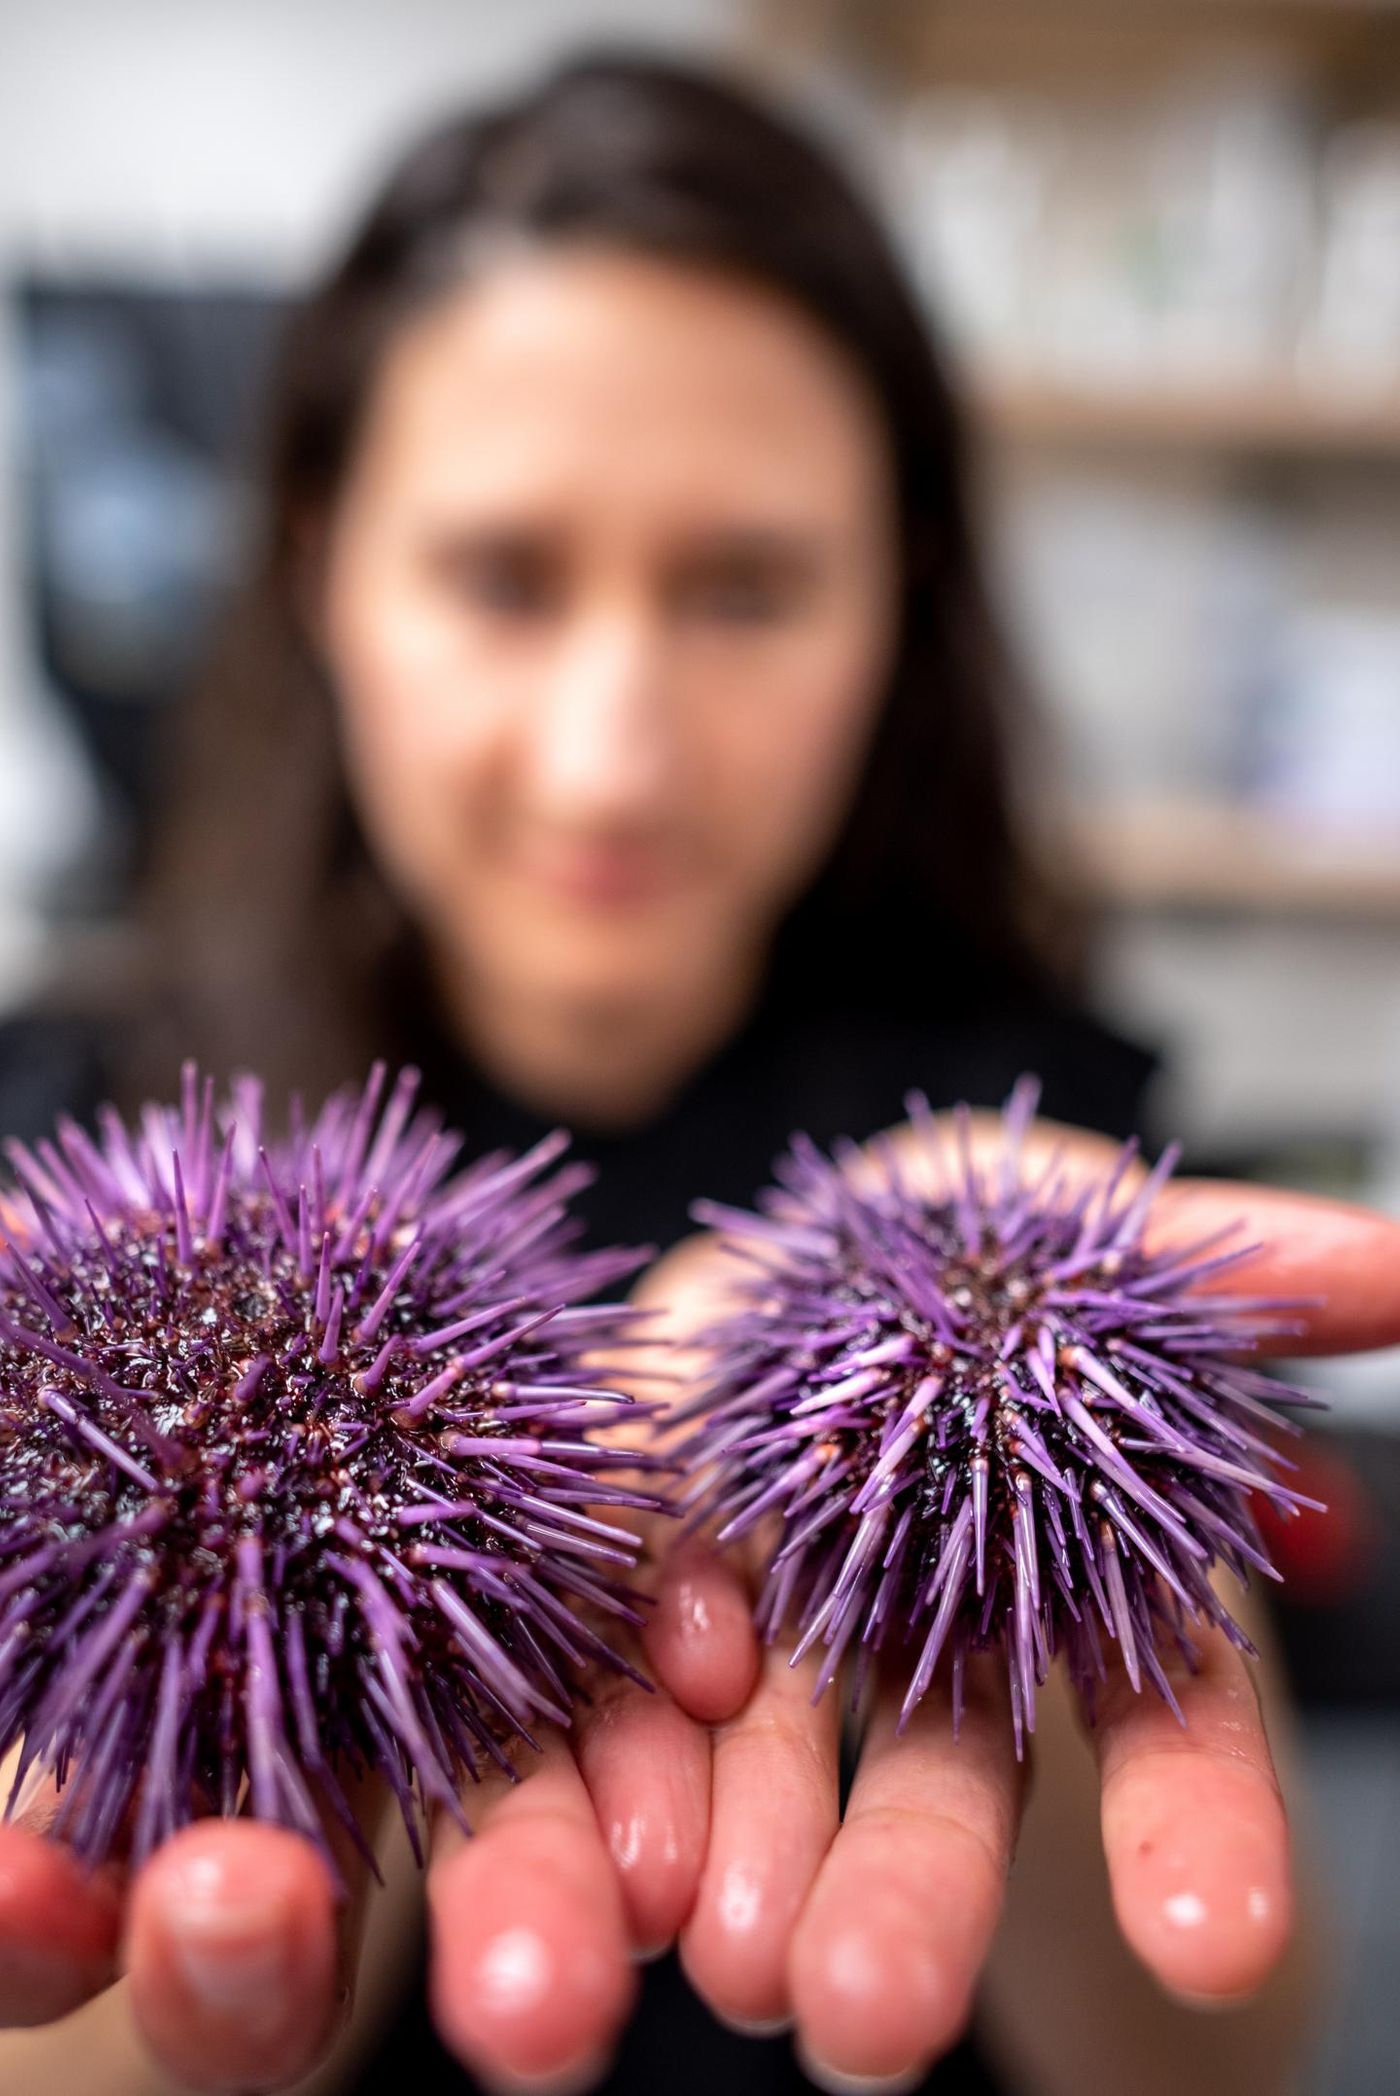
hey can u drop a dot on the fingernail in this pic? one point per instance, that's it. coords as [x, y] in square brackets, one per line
[231, 1945]
[772, 2027]
[837, 2083]
[564, 2081]
[1210, 2004]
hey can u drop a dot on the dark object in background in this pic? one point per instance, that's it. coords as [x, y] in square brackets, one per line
[674, 2045]
[1338, 1610]
[137, 404]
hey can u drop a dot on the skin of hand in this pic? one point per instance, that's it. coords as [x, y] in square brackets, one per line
[1066, 2008]
[870, 1936]
[237, 1963]
[708, 1810]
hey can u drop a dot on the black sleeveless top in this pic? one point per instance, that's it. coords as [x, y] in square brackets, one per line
[830, 1075]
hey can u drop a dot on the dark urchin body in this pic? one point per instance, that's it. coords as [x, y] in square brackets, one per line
[987, 1419]
[294, 1461]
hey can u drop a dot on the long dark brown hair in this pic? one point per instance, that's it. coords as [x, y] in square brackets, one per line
[272, 937]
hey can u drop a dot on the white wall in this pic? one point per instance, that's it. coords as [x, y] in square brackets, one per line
[246, 128]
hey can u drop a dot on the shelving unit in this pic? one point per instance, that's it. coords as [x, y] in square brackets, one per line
[1263, 953]
[1056, 41]
[1276, 417]
[1221, 860]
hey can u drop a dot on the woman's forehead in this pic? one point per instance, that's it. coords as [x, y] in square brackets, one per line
[628, 372]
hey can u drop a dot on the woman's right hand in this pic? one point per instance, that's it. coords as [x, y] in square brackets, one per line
[240, 1956]
[240, 1961]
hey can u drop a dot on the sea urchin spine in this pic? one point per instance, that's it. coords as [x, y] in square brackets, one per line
[295, 1461]
[987, 1417]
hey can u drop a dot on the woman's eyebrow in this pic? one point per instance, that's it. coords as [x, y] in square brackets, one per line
[491, 528]
[456, 542]
[788, 553]
[784, 548]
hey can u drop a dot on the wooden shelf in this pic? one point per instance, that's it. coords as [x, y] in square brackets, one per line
[1272, 418]
[1195, 856]
[1351, 45]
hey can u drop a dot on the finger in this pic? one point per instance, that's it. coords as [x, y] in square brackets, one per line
[647, 1768]
[1309, 1247]
[644, 1759]
[700, 1641]
[372, 1807]
[231, 1955]
[773, 1813]
[930, 1156]
[890, 1944]
[1194, 1827]
[530, 1974]
[59, 1927]
[700, 1638]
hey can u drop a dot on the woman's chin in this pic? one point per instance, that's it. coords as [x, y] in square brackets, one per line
[577, 979]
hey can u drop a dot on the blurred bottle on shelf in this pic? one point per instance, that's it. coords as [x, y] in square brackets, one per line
[1326, 757]
[969, 181]
[1352, 334]
[1203, 235]
[1108, 580]
[1229, 210]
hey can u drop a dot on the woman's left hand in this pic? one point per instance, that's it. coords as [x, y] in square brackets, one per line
[714, 1803]
[868, 1933]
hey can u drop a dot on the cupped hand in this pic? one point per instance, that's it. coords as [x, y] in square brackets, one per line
[240, 1952]
[868, 1932]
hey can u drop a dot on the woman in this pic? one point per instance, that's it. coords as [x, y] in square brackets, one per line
[615, 726]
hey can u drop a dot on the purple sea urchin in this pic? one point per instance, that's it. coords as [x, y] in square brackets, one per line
[295, 1467]
[987, 1418]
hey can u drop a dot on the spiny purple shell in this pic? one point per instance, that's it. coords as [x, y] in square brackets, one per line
[295, 1467]
[987, 1419]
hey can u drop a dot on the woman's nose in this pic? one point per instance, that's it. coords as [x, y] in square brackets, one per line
[602, 743]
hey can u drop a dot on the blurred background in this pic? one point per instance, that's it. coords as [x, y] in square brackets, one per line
[1163, 242]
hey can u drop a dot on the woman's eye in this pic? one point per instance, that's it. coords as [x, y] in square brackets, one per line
[738, 599]
[513, 582]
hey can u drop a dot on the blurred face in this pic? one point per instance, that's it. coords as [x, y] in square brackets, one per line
[608, 604]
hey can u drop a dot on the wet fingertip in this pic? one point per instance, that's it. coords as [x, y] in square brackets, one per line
[1214, 1952]
[230, 1945]
[701, 1638]
[837, 2083]
[586, 2074]
[224, 1876]
[649, 1776]
[874, 2003]
[529, 1988]
[60, 1929]
[742, 1984]
[1210, 2004]
[755, 2027]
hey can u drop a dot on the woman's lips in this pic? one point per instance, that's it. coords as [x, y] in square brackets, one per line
[604, 874]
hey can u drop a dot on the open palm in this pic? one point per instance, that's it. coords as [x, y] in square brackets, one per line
[709, 1810]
